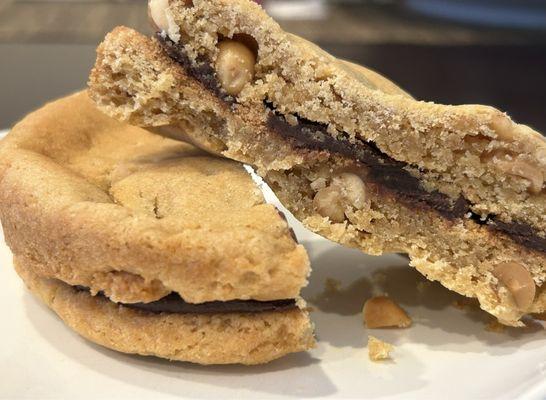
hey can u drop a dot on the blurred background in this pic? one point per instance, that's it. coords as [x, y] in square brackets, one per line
[448, 51]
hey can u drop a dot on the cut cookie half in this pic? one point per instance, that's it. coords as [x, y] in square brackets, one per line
[148, 245]
[355, 158]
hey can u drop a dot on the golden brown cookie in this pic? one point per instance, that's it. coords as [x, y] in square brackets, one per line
[355, 158]
[104, 213]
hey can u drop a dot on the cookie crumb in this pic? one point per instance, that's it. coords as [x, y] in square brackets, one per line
[495, 326]
[379, 350]
[382, 312]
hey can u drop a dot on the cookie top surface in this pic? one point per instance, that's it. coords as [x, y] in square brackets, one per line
[116, 208]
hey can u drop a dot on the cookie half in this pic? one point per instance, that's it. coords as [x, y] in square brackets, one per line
[131, 226]
[355, 158]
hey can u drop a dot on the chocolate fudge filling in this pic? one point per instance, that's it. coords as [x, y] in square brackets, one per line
[391, 175]
[174, 304]
[202, 70]
[387, 172]
[383, 170]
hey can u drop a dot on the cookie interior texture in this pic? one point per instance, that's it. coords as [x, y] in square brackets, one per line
[140, 229]
[210, 338]
[470, 196]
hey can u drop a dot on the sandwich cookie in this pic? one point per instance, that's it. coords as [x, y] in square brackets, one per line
[148, 245]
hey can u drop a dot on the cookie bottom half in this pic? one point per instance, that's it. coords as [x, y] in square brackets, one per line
[222, 338]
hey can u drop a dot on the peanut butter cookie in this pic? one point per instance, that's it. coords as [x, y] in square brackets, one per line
[354, 157]
[148, 245]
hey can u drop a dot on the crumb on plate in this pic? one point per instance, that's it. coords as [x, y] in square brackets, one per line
[383, 312]
[379, 350]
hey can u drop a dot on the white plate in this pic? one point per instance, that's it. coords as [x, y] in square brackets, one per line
[446, 354]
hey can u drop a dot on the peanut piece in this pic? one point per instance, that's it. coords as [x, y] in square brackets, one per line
[379, 350]
[508, 131]
[531, 173]
[234, 66]
[163, 19]
[352, 189]
[346, 189]
[329, 203]
[518, 281]
[318, 184]
[524, 170]
[503, 127]
[382, 312]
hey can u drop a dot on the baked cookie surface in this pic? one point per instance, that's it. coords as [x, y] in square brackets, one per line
[354, 157]
[102, 213]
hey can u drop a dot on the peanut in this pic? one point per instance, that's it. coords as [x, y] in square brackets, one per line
[518, 167]
[503, 127]
[346, 190]
[517, 279]
[382, 312]
[329, 203]
[163, 19]
[234, 66]
[352, 189]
